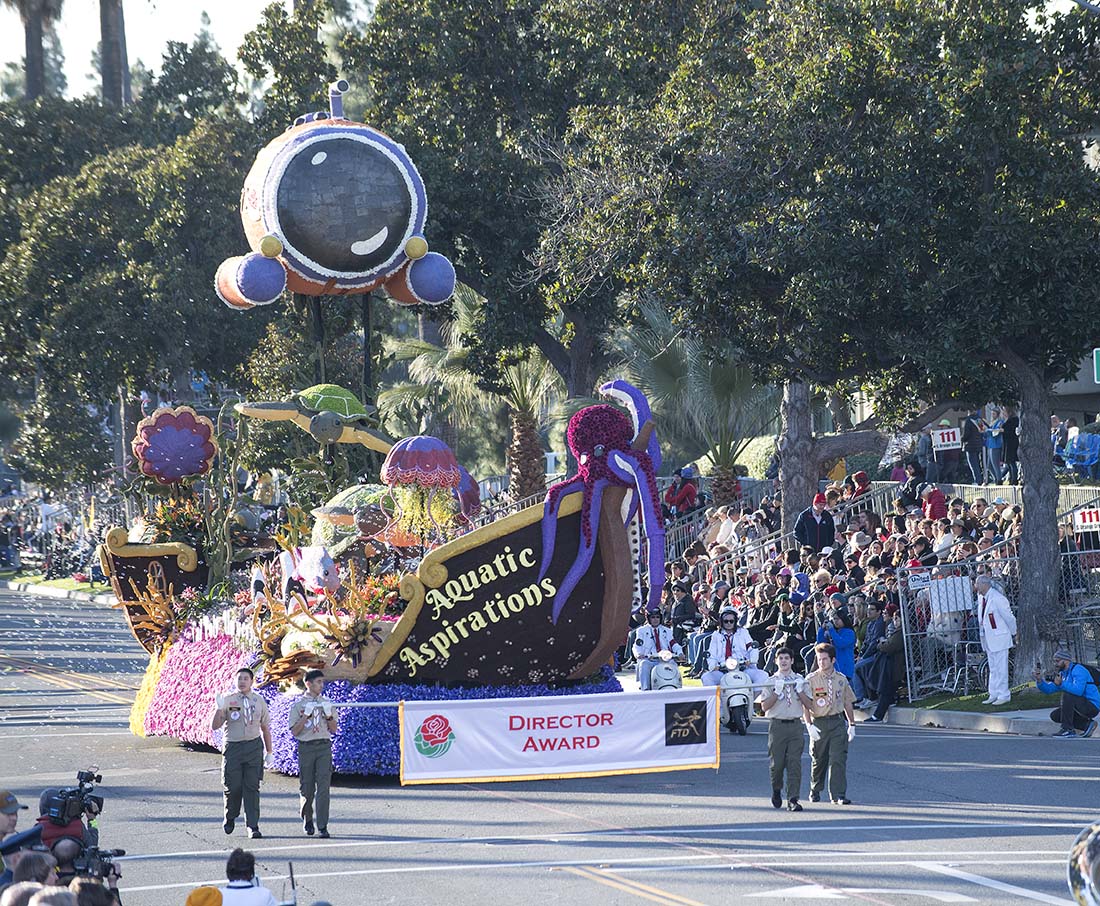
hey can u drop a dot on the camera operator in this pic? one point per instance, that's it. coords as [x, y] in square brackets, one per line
[1080, 698]
[86, 867]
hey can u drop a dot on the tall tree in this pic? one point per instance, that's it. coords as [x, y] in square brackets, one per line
[37, 16]
[111, 60]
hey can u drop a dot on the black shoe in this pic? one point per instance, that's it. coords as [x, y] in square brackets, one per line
[794, 806]
[815, 796]
[323, 833]
[308, 828]
[228, 825]
[254, 833]
[842, 801]
[777, 798]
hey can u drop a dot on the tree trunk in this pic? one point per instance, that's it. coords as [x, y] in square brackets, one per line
[797, 462]
[35, 61]
[110, 52]
[723, 485]
[526, 462]
[1040, 617]
[127, 86]
[841, 412]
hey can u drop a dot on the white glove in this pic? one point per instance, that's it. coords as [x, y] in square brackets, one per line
[778, 686]
[813, 732]
[269, 760]
[327, 708]
[799, 685]
[851, 732]
[308, 708]
[219, 700]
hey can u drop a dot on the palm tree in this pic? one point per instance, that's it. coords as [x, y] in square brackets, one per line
[699, 394]
[37, 16]
[440, 381]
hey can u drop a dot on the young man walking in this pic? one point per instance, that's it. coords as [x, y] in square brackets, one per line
[782, 704]
[312, 722]
[831, 723]
[247, 739]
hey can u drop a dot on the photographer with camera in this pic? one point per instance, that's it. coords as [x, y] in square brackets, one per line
[74, 843]
[1080, 701]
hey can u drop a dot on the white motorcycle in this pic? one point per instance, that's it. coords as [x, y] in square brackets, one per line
[737, 693]
[665, 673]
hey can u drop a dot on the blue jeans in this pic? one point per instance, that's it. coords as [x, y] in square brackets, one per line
[996, 457]
[974, 461]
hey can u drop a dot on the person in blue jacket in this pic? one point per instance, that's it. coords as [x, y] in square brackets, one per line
[1080, 697]
[840, 634]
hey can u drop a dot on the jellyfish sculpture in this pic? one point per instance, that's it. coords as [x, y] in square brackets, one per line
[468, 494]
[422, 473]
[611, 450]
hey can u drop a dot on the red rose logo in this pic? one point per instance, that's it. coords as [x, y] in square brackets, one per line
[435, 736]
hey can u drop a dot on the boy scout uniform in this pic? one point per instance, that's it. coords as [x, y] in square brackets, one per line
[314, 759]
[785, 741]
[243, 758]
[829, 695]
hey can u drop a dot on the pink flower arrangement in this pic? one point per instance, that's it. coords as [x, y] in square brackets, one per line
[193, 672]
[243, 598]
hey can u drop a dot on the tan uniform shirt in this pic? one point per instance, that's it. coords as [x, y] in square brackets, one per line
[829, 693]
[316, 724]
[245, 716]
[787, 706]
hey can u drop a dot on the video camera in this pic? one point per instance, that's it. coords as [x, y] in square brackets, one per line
[64, 806]
[97, 863]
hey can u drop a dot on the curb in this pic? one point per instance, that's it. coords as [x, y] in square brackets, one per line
[49, 591]
[966, 720]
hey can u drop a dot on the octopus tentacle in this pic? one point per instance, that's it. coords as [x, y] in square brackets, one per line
[633, 468]
[585, 551]
[550, 518]
[634, 401]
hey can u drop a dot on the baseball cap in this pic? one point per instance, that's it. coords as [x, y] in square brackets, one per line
[825, 551]
[9, 805]
[945, 423]
[819, 500]
[1000, 501]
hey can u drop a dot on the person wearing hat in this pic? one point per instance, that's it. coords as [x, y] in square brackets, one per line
[997, 629]
[204, 896]
[650, 641]
[731, 641]
[10, 807]
[312, 722]
[947, 459]
[815, 527]
[244, 715]
[1080, 701]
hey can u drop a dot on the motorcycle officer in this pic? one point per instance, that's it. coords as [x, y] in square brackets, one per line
[731, 641]
[649, 642]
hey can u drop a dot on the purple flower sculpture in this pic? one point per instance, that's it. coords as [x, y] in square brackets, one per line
[173, 444]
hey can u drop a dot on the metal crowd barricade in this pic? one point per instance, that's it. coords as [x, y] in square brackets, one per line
[938, 607]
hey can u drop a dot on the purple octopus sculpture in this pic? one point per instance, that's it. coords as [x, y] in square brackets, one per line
[603, 441]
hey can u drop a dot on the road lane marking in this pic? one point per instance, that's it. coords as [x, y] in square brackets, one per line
[62, 678]
[992, 884]
[639, 890]
[74, 675]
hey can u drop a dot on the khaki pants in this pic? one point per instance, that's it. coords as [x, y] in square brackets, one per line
[314, 774]
[830, 753]
[785, 747]
[242, 771]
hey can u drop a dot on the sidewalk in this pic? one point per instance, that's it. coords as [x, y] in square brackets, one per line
[48, 591]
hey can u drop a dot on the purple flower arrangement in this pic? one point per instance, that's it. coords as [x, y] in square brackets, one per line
[368, 742]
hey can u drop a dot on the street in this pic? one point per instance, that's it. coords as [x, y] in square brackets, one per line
[937, 816]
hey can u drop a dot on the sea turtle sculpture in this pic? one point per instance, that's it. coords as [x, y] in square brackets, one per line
[327, 412]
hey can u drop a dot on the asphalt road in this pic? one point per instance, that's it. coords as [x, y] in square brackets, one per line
[938, 815]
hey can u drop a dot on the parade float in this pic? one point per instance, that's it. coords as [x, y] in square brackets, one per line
[400, 590]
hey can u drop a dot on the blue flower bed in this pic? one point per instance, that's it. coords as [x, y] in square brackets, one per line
[368, 741]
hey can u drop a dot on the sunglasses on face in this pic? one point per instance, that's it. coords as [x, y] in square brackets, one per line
[729, 622]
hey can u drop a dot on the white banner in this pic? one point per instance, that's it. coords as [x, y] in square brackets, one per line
[1086, 520]
[947, 439]
[559, 736]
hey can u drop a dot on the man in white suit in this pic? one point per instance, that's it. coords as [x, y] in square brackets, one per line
[998, 627]
[650, 641]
